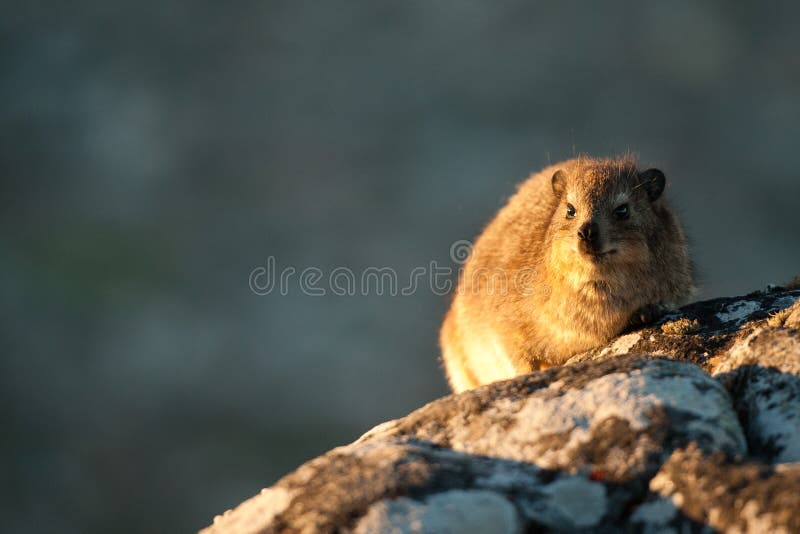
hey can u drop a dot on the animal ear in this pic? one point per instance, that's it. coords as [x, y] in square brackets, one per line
[559, 182]
[653, 181]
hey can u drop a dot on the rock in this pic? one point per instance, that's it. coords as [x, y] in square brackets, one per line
[778, 348]
[701, 331]
[454, 511]
[616, 417]
[763, 373]
[386, 486]
[682, 425]
[728, 497]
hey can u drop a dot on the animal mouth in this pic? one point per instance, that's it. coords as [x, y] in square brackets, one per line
[597, 255]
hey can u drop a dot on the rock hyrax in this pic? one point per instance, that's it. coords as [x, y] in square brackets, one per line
[583, 249]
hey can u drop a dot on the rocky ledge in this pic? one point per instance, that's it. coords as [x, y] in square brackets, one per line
[692, 423]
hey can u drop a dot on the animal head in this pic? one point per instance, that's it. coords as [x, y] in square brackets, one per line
[606, 214]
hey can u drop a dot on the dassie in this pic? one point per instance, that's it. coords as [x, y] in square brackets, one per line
[582, 250]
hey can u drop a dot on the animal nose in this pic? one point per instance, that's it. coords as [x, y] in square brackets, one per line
[588, 232]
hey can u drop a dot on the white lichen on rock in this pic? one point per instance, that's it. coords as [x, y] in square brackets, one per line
[622, 345]
[451, 512]
[558, 508]
[738, 311]
[655, 514]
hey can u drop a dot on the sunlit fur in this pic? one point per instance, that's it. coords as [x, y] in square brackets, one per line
[571, 300]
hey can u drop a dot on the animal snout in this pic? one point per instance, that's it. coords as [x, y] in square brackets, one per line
[589, 232]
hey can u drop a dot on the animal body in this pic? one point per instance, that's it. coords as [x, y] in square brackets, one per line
[582, 250]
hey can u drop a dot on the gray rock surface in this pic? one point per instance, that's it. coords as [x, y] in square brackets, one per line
[729, 497]
[763, 371]
[616, 416]
[688, 423]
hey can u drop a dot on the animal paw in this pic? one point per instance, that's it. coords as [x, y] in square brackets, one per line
[648, 314]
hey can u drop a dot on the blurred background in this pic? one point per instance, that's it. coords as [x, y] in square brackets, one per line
[153, 154]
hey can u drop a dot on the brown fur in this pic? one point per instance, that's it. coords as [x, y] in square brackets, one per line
[531, 294]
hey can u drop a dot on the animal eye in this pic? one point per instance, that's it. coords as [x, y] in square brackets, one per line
[622, 212]
[570, 211]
